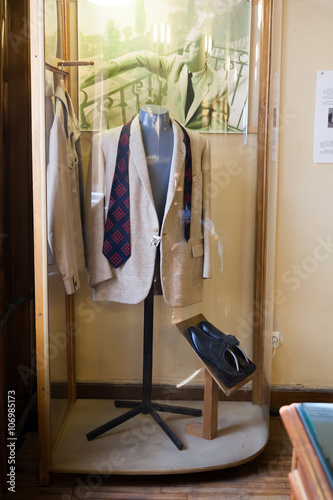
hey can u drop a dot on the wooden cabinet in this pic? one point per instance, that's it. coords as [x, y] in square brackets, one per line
[307, 478]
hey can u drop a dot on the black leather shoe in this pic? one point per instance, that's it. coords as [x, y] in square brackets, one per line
[216, 355]
[232, 343]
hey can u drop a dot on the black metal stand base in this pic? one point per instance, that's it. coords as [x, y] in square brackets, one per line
[146, 406]
[151, 409]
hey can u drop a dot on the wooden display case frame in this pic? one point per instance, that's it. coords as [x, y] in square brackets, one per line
[39, 174]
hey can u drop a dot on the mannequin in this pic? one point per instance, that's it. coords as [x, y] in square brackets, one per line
[157, 136]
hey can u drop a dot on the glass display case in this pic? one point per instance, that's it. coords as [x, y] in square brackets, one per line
[150, 234]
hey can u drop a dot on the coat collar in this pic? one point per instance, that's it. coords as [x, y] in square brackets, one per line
[139, 158]
[72, 122]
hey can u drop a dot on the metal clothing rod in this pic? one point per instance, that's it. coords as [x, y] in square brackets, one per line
[76, 63]
[57, 65]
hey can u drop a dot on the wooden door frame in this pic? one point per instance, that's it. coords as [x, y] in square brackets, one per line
[3, 410]
[40, 234]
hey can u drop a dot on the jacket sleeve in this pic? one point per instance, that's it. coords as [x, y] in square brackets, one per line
[98, 267]
[160, 65]
[207, 224]
[61, 235]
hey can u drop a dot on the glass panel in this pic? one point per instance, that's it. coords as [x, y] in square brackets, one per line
[169, 226]
[105, 33]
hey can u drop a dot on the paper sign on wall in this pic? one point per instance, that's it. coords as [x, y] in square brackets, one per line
[323, 126]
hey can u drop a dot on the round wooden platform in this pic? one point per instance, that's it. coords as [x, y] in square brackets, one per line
[139, 446]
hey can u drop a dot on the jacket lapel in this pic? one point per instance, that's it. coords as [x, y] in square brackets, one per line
[177, 163]
[182, 85]
[201, 90]
[138, 156]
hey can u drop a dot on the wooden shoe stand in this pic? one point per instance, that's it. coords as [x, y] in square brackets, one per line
[208, 428]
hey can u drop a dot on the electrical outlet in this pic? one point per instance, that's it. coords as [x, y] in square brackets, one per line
[276, 339]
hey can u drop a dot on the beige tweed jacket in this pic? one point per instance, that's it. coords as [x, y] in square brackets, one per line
[183, 264]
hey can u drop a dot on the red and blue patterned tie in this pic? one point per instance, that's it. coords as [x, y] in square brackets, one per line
[187, 185]
[117, 244]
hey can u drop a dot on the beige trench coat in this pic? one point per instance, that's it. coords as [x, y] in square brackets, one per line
[64, 183]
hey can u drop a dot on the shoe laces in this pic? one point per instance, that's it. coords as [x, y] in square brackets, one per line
[232, 341]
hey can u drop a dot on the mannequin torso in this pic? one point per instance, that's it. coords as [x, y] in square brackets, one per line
[157, 138]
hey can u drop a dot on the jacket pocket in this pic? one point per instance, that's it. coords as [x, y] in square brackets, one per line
[196, 176]
[198, 249]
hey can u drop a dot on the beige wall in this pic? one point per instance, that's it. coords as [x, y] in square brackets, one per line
[304, 265]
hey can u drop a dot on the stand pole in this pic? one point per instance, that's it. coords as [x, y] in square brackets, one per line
[146, 406]
[147, 374]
